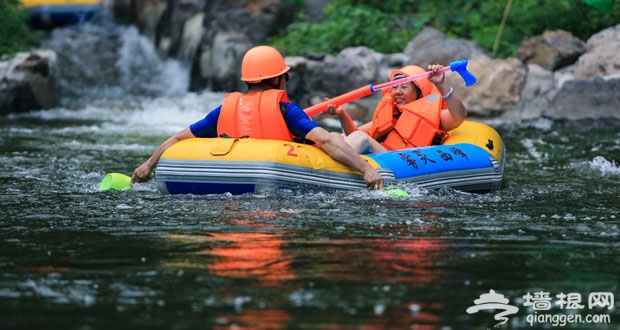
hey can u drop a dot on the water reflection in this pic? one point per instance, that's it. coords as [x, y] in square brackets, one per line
[256, 256]
[365, 276]
[254, 319]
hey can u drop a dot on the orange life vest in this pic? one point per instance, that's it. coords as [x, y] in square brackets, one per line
[418, 124]
[256, 115]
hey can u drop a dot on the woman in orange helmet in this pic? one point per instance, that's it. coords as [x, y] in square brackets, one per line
[411, 114]
[264, 112]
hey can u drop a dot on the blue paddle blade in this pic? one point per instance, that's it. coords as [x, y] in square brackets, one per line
[460, 67]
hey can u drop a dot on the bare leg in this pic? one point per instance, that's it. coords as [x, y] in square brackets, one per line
[362, 143]
[375, 146]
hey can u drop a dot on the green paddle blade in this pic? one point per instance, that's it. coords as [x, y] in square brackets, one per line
[116, 181]
[396, 193]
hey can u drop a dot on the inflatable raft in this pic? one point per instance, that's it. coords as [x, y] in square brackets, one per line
[471, 159]
[55, 13]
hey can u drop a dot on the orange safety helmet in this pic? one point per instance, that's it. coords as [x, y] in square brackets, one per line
[262, 62]
[424, 84]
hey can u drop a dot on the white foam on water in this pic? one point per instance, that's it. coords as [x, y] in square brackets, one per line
[530, 145]
[173, 114]
[605, 166]
[538, 123]
[162, 115]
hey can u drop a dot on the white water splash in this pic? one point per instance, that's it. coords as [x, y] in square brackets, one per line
[103, 60]
[605, 166]
[141, 69]
[530, 145]
[162, 115]
[542, 124]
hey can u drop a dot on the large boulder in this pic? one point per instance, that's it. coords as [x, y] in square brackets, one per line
[586, 98]
[144, 14]
[192, 37]
[432, 46]
[220, 64]
[498, 88]
[602, 57]
[29, 81]
[169, 29]
[552, 51]
[536, 95]
[587, 89]
[251, 20]
[351, 68]
[328, 76]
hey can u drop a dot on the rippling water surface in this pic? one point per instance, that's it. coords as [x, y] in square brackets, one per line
[72, 257]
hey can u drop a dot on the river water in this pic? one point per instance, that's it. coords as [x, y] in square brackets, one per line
[72, 257]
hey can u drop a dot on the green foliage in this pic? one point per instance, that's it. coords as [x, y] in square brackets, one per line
[388, 25]
[533, 17]
[601, 5]
[15, 35]
[349, 26]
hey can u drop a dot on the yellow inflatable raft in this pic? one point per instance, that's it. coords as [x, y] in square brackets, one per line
[471, 159]
[54, 13]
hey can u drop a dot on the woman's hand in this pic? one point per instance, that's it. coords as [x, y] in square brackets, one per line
[334, 110]
[435, 77]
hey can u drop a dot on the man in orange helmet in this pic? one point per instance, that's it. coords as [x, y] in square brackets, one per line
[264, 112]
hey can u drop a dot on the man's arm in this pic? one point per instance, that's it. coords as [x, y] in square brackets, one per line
[206, 127]
[338, 149]
[143, 172]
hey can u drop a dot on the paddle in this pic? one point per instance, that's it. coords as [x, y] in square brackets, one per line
[396, 193]
[116, 181]
[459, 67]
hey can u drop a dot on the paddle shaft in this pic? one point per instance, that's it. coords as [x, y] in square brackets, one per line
[459, 66]
[340, 100]
[409, 79]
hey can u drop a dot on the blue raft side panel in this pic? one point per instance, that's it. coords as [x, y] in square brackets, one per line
[415, 162]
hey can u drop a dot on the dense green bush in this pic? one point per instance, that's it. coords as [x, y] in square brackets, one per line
[533, 17]
[387, 25]
[347, 26]
[15, 35]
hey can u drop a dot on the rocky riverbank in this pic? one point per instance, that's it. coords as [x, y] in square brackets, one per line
[554, 75]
